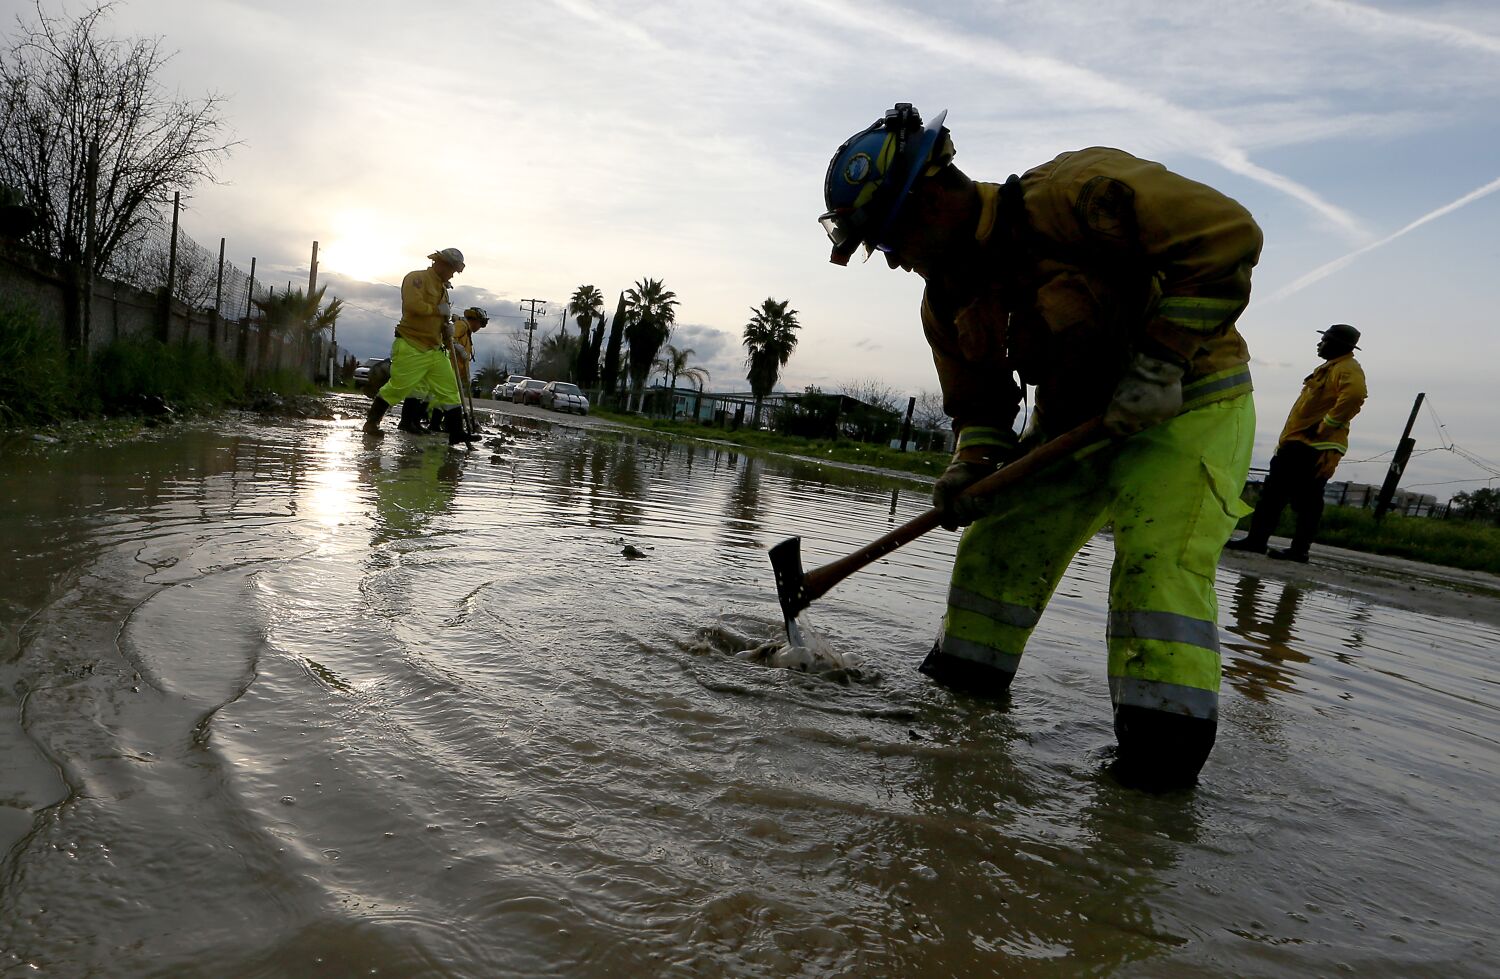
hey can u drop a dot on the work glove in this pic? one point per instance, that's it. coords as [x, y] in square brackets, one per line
[447, 332]
[969, 465]
[445, 309]
[1149, 393]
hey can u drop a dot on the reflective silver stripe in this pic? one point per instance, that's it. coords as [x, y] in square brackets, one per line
[974, 652]
[1197, 314]
[1164, 627]
[1193, 390]
[1172, 698]
[997, 611]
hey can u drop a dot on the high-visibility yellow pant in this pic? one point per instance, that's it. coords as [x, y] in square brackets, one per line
[1172, 493]
[415, 371]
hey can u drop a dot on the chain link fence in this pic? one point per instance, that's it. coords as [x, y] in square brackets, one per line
[197, 283]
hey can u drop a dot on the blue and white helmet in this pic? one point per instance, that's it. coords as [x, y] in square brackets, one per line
[872, 174]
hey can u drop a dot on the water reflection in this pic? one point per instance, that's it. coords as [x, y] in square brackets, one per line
[408, 488]
[742, 503]
[1270, 640]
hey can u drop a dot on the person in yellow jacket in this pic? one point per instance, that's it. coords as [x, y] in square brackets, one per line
[419, 355]
[1112, 285]
[473, 320]
[464, 327]
[1313, 440]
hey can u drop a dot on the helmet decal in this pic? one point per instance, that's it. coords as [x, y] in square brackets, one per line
[857, 170]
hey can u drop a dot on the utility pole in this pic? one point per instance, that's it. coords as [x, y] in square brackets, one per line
[531, 326]
[1398, 462]
[312, 274]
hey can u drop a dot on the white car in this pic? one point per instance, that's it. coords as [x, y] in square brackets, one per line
[507, 387]
[564, 396]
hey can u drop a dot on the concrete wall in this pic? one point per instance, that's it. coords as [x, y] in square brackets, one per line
[118, 311]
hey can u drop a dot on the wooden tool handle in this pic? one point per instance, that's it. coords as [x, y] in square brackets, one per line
[818, 581]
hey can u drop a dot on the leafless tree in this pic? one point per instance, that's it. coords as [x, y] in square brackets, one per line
[877, 394]
[83, 120]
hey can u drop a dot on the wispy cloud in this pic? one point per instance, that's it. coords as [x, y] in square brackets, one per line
[1211, 139]
[1324, 271]
[1376, 21]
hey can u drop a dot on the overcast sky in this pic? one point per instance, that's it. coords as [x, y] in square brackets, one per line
[574, 141]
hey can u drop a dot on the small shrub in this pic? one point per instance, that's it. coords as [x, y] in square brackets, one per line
[35, 377]
[129, 371]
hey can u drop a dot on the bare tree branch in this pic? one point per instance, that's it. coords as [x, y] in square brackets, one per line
[69, 93]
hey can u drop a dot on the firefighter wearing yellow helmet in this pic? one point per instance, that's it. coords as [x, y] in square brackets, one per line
[1112, 285]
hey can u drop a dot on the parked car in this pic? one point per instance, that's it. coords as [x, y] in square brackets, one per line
[507, 387]
[564, 396]
[528, 391]
[362, 369]
[371, 374]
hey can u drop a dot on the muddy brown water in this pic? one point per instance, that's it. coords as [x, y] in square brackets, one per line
[274, 702]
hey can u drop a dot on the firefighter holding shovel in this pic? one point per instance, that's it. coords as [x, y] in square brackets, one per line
[1112, 285]
[420, 360]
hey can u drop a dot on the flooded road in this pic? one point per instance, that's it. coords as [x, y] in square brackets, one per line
[277, 702]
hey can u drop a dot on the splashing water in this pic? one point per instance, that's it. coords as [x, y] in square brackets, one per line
[802, 650]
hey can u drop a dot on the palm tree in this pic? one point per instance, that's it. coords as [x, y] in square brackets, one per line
[674, 364]
[586, 303]
[651, 311]
[296, 314]
[770, 336]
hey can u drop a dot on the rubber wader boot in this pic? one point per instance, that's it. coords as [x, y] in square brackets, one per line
[964, 675]
[378, 408]
[453, 421]
[1159, 750]
[412, 410]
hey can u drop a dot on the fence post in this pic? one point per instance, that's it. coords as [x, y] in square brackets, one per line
[219, 297]
[164, 332]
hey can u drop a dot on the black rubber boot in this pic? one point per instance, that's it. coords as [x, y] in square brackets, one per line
[965, 675]
[412, 410]
[1246, 544]
[453, 422]
[378, 408]
[1160, 751]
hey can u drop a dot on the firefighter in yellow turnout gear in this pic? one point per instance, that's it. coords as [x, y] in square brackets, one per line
[1112, 285]
[419, 355]
[1314, 439]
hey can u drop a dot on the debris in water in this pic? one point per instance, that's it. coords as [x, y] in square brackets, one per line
[631, 551]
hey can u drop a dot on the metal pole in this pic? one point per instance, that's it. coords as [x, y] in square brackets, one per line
[219, 279]
[166, 303]
[90, 248]
[1398, 462]
[911, 407]
[250, 294]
